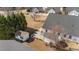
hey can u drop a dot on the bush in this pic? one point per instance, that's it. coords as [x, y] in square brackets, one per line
[10, 24]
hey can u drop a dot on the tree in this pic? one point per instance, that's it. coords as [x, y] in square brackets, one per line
[10, 24]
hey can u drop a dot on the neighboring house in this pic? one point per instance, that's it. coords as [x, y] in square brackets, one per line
[52, 11]
[72, 8]
[36, 10]
[42, 9]
[73, 13]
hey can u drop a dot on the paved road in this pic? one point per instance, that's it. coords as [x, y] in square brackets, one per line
[12, 45]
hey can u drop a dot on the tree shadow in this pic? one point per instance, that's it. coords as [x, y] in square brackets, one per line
[31, 31]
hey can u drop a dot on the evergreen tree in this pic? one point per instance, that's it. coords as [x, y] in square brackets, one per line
[10, 24]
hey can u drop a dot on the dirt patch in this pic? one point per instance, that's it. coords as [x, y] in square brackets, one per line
[35, 24]
[40, 46]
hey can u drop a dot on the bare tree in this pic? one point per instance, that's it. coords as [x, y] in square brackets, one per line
[63, 10]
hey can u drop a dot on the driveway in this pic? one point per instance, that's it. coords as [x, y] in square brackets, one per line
[12, 45]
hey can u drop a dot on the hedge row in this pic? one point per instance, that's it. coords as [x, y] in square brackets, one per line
[10, 24]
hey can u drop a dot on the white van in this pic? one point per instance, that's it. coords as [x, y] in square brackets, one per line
[22, 36]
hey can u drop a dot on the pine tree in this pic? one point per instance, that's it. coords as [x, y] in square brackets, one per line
[10, 24]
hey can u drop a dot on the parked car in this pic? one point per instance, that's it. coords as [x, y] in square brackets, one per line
[22, 36]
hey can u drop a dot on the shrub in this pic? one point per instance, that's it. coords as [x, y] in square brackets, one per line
[10, 24]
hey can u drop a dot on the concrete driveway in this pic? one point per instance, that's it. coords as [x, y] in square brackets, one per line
[12, 45]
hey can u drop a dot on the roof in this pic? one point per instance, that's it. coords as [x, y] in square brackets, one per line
[51, 36]
[70, 24]
[72, 8]
[73, 13]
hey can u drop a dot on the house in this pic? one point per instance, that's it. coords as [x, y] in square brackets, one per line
[60, 24]
[73, 13]
[63, 24]
[52, 11]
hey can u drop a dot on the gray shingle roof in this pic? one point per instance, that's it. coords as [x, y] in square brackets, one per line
[70, 23]
[72, 8]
